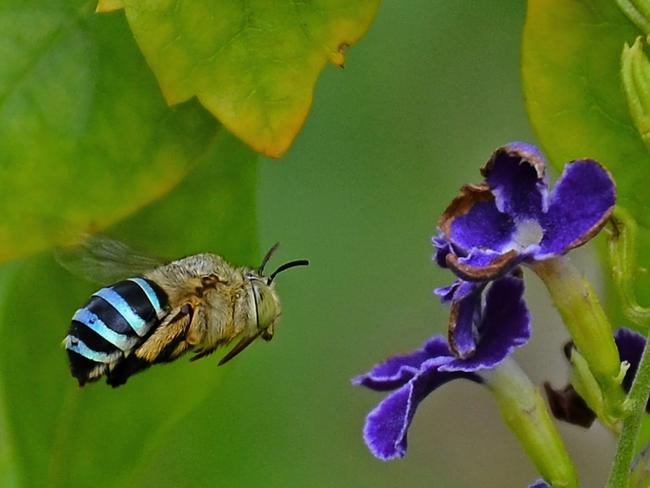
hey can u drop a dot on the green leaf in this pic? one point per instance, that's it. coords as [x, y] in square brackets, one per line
[253, 64]
[98, 436]
[85, 136]
[576, 102]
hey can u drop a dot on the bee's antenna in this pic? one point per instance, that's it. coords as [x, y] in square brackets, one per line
[285, 266]
[274, 248]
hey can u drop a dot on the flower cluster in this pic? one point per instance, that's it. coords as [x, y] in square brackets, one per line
[511, 218]
[485, 235]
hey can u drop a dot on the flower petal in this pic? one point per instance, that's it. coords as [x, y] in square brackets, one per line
[446, 293]
[398, 370]
[480, 225]
[539, 484]
[442, 247]
[630, 347]
[505, 325]
[484, 265]
[457, 291]
[386, 429]
[466, 306]
[515, 173]
[579, 206]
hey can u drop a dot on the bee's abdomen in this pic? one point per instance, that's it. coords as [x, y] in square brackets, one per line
[115, 320]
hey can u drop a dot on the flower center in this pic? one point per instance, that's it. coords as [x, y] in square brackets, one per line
[528, 233]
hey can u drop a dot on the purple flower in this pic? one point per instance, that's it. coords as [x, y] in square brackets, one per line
[502, 324]
[630, 348]
[512, 218]
[465, 300]
[539, 484]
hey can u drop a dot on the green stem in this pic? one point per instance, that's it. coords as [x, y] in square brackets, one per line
[635, 407]
[640, 477]
[524, 411]
[589, 327]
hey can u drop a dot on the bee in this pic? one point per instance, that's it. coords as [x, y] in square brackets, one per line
[164, 310]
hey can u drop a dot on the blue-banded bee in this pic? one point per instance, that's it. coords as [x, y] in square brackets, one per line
[164, 310]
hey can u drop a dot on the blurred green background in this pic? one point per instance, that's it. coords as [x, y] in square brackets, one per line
[424, 98]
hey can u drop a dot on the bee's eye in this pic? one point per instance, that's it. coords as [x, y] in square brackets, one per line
[267, 308]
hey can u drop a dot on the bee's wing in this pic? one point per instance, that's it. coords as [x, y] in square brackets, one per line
[104, 260]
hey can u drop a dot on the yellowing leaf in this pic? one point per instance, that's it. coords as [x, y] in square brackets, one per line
[253, 64]
[109, 5]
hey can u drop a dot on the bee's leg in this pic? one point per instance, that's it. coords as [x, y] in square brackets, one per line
[195, 333]
[205, 340]
[163, 343]
[197, 330]
[180, 348]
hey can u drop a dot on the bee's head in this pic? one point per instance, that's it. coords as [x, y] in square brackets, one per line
[264, 302]
[265, 298]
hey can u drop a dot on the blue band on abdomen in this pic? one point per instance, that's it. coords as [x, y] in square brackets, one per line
[151, 295]
[94, 323]
[77, 345]
[116, 301]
